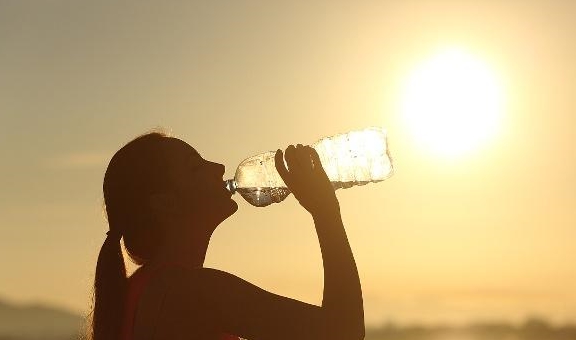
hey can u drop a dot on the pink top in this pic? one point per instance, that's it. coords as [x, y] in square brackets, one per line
[136, 284]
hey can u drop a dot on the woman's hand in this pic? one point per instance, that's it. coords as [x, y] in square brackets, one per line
[307, 180]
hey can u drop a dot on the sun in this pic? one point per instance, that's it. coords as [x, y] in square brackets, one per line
[452, 103]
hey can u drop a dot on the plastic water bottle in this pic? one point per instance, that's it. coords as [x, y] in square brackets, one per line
[354, 158]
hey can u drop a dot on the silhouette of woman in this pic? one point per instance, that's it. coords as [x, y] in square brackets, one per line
[165, 201]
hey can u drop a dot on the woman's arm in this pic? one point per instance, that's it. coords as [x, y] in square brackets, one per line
[243, 309]
[306, 179]
[342, 298]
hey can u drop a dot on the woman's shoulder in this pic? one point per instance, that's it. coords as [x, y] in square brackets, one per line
[183, 273]
[177, 273]
[185, 281]
[175, 303]
[207, 288]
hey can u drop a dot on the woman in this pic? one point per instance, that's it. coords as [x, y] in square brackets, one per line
[165, 201]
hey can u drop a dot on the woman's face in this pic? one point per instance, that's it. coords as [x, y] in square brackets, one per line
[199, 186]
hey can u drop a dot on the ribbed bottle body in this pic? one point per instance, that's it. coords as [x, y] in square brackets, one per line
[349, 159]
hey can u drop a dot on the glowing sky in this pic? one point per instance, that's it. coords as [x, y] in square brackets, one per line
[487, 235]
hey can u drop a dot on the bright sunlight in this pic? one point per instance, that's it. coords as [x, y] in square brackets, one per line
[452, 103]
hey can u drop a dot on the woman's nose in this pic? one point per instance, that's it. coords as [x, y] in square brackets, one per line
[222, 169]
[219, 169]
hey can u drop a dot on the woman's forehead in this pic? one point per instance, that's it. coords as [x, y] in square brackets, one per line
[184, 152]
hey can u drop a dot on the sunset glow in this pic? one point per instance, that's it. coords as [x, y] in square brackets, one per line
[476, 225]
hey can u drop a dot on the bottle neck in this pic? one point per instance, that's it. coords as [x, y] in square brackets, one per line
[231, 185]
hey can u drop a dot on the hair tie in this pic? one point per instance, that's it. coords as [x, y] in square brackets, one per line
[116, 235]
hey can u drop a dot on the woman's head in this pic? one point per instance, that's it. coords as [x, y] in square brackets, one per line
[158, 184]
[154, 187]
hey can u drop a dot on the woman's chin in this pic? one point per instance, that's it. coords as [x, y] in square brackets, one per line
[229, 209]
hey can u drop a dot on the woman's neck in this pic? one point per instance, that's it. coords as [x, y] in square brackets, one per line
[186, 250]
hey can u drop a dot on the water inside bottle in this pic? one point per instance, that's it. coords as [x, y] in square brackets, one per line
[345, 185]
[261, 197]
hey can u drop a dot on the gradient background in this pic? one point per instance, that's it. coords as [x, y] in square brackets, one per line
[487, 236]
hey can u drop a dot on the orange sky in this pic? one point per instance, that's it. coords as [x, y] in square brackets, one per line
[488, 235]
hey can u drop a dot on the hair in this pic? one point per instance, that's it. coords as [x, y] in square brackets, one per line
[137, 170]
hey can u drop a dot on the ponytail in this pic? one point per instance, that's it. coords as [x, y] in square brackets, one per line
[136, 170]
[109, 291]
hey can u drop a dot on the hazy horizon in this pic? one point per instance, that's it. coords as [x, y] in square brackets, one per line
[486, 235]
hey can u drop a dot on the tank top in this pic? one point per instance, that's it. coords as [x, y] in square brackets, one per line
[136, 284]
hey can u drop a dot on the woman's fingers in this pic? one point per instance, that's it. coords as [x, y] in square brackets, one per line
[318, 168]
[291, 158]
[303, 153]
[305, 177]
[302, 164]
[315, 158]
